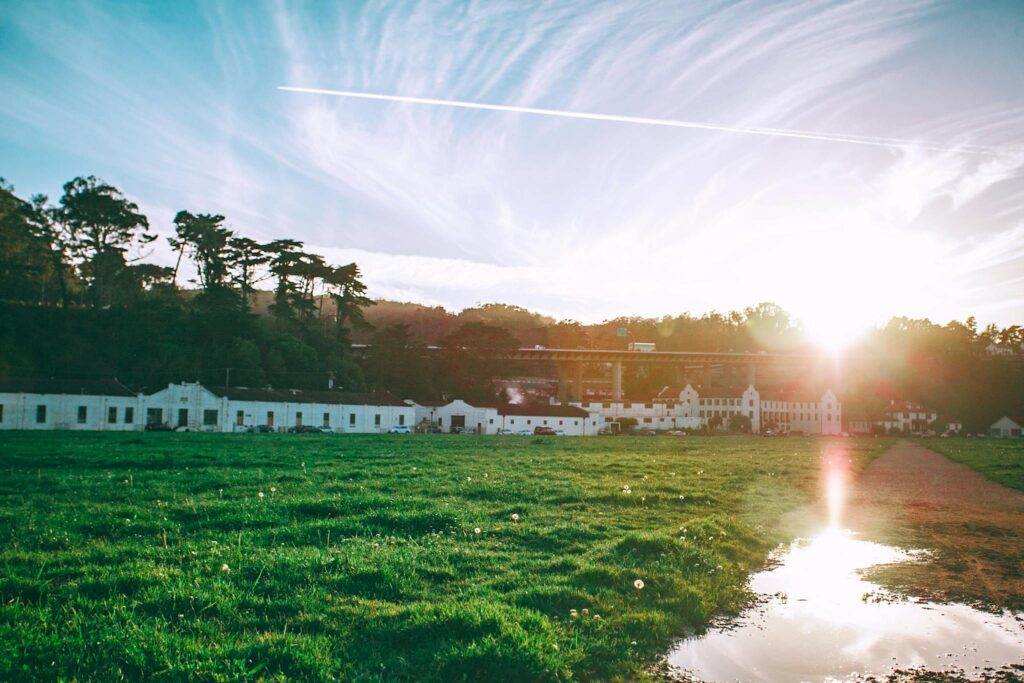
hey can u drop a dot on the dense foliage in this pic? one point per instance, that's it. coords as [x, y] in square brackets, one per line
[77, 298]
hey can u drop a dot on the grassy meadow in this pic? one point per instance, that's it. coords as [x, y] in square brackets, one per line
[1001, 460]
[224, 557]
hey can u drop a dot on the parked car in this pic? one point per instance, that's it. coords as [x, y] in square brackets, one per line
[677, 432]
[524, 432]
[158, 427]
[400, 429]
[504, 432]
[543, 431]
[559, 432]
[326, 430]
[303, 429]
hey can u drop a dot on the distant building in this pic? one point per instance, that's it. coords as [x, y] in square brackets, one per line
[109, 405]
[994, 349]
[1007, 428]
[644, 347]
[906, 417]
[97, 405]
[493, 418]
[685, 408]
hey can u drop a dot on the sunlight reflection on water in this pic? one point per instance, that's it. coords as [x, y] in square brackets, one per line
[819, 620]
[821, 623]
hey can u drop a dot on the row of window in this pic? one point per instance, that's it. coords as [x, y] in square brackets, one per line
[82, 415]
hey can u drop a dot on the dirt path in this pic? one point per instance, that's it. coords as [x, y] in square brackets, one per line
[913, 497]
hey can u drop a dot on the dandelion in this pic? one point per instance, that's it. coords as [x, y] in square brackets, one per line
[638, 584]
[554, 645]
[633, 643]
[586, 611]
[273, 489]
[476, 530]
[597, 617]
[645, 477]
[225, 568]
[515, 516]
[682, 497]
[573, 614]
[260, 494]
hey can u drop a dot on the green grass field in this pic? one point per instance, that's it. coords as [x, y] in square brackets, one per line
[1001, 460]
[364, 558]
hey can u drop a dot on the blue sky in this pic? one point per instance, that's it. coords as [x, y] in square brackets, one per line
[176, 103]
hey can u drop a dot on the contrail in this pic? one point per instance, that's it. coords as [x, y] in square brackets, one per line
[872, 141]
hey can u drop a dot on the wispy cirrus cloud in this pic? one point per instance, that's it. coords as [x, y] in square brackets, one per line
[578, 218]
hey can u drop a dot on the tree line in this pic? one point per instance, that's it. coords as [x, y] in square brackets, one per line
[78, 298]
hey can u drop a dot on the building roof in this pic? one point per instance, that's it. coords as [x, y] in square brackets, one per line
[541, 410]
[906, 407]
[83, 387]
[1018, 419]
[330, 396]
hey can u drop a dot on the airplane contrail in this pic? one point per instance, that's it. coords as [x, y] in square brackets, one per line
[873, 141]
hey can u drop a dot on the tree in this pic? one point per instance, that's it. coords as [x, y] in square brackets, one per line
[715, 422]
[100, 227]
[740, 423]
[205, 239]
[473, 358]
[245, 258]
[27, 265]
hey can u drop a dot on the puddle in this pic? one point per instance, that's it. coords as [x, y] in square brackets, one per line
[820, 621]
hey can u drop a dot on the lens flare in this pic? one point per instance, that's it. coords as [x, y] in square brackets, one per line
[834, 473]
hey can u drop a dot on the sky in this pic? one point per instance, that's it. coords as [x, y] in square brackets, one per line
[178, 105]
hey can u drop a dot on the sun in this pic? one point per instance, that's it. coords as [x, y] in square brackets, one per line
[833, 330]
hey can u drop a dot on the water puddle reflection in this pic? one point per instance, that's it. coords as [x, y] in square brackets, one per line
[821, 621]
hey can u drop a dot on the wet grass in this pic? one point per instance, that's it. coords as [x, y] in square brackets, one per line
[155, 557]
[1001, 460]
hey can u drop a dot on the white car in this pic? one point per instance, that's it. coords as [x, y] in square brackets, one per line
[524, 432]
[400, 429]
[504, 432]
[559, 432]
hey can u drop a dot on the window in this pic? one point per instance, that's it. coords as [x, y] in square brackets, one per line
[83, 414]
[529, 422]
[209, 417]
[112, 414]
[182, 417]
[154, 416]
[560, 423]
[129, 415]
[40, 414]
[648, 405]
[647, 420]
[376, 420]
[352, 420]
[1, 412]
[270, 418]
[576, 423]
[298, 419]
[627, 406]
[606, 405]
[401, 420]
[240, 418]
[327, 419]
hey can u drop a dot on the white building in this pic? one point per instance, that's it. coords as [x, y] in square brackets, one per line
[494, 418]
[108, 405]
[227, 409]
[1007, 427]
[98, 405]
[994, 349]
[906, 417]
[686, 409]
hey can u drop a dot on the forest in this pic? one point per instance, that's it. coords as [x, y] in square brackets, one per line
[78, 298]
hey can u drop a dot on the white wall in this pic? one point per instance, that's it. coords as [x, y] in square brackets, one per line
[62, 412]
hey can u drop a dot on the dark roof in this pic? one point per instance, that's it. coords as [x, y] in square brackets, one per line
[83, 387]
[541, 410]
[329, 396]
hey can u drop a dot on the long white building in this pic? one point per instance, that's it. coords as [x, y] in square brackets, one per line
[108, 405]
[493, 418]
[687, 409]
